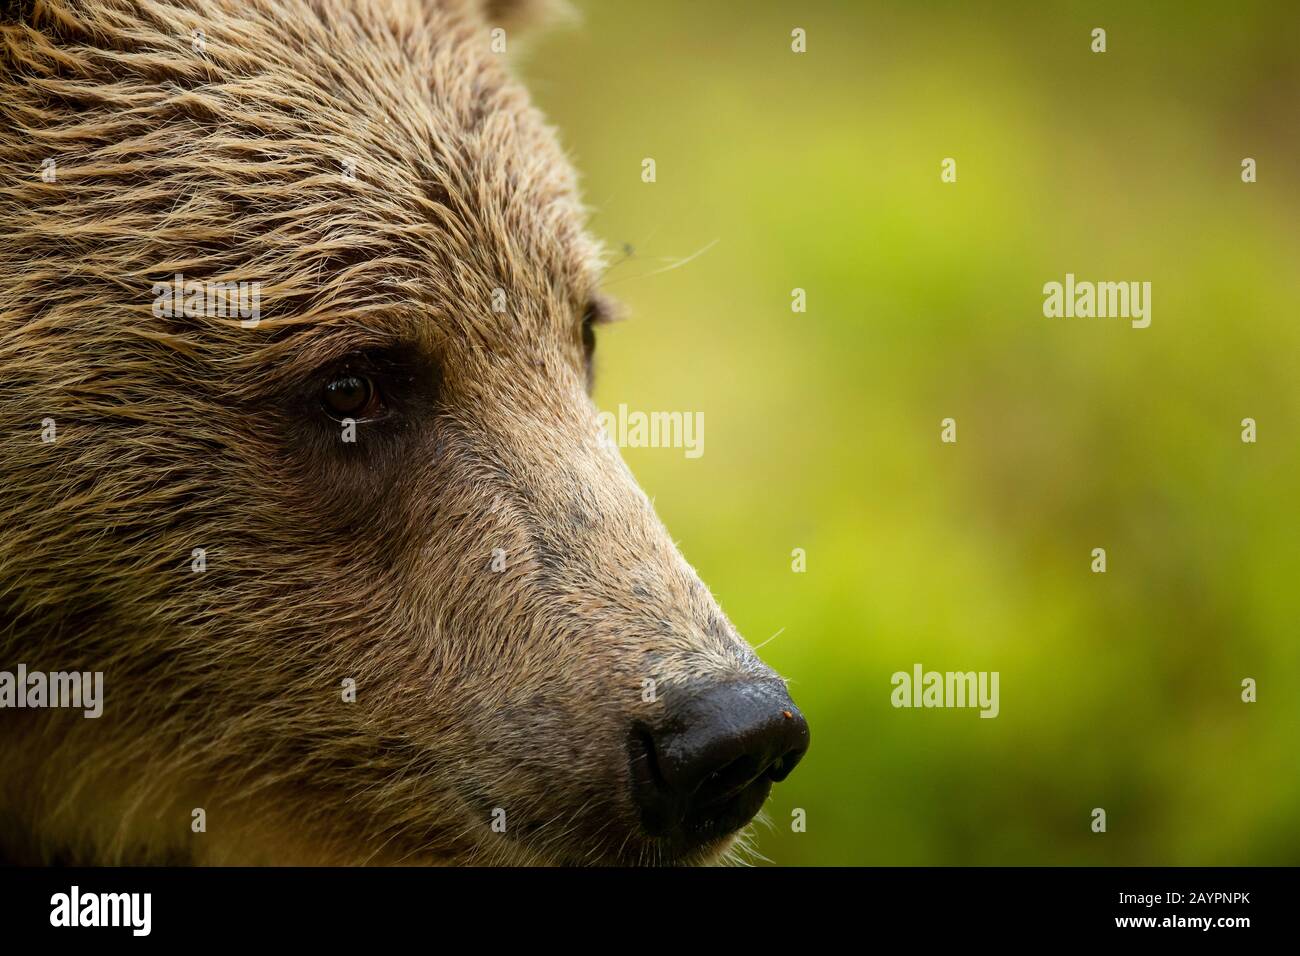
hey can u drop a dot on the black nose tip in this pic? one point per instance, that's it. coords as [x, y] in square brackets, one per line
[708, 768]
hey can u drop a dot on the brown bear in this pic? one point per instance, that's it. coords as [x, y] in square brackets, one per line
[297, 314]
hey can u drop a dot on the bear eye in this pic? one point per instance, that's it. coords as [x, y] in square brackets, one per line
[589, 334]
[600, 310]
[351, 396]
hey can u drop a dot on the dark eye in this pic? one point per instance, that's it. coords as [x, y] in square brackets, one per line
[351, 396]
[600, 310]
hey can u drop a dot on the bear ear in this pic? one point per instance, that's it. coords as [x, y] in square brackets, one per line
[515, 15]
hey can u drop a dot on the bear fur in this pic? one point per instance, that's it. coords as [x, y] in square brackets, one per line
[477, 564]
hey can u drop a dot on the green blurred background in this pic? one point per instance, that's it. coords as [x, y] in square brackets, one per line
[821, 171]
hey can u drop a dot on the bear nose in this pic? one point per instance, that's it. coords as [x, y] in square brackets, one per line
[706, 770]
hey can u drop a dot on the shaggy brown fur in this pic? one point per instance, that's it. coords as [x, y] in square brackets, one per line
[476, 689]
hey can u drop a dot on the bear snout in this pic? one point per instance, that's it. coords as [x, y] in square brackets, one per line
[706, 767]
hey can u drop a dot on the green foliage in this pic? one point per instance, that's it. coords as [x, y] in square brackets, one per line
[821, 171]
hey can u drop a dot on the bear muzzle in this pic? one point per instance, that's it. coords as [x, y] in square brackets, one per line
[706, 767]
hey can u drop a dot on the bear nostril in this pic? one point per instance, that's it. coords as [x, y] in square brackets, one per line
[727, 782]
[707, 770]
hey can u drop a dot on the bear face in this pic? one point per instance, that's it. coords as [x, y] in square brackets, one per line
[302, 293]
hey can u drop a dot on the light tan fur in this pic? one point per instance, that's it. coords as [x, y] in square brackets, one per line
[476, 689]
